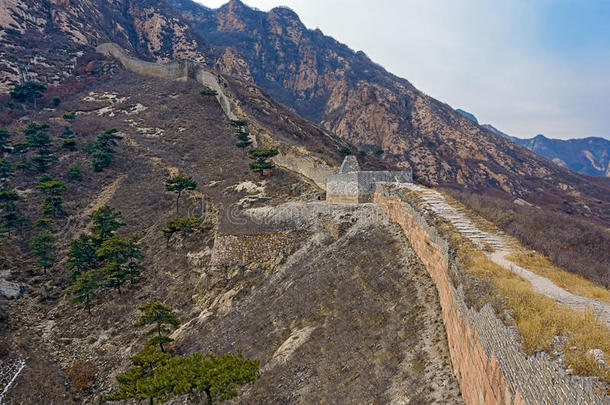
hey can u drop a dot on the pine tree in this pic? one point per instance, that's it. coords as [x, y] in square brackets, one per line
[53, 204]
[84, 288]
[260, 157]
[42, 245]
[102, 150]
[106, 220]
[30, 90]
[183, 225]
[119, 256]
[6, 172]
[9, 214]
[37, 138]
[82, 255]
[159, 315]
[178, 184]
[243, 140]
[5, 144]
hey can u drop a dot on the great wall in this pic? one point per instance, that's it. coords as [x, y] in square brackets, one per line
[485, 353]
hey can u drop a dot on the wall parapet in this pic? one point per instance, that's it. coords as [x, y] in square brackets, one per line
[485, 353]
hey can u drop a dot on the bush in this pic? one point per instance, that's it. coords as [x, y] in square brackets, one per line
[69, 115]
[81, 374]
[55, 101]
[362, 153]
[345, 151]
[209, 92]
[69, 144]
[74, 171]
[379, 151]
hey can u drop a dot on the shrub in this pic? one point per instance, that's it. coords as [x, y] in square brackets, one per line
[74, 171]
[362, 153]
[69, 144]
[69, 115]
[30, 90]
[55, 101]
[184, 225]
[379, 151]
[81, 374]
[209, 92]
[345, 151]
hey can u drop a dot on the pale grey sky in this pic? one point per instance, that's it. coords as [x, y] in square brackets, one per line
[526, 67]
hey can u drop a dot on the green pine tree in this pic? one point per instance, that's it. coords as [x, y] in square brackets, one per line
[178, 184]
[260, 157]
[159, 315]
[42, 245]
[82, 255]
[106, 220]
[85, 287]
[28, 91]
[119, 256]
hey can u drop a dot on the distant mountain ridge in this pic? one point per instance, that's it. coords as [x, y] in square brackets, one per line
[589, 155]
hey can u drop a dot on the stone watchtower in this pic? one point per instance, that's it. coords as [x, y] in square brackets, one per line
[352, 185]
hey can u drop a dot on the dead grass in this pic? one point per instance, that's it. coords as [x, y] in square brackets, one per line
[535, 261]
[543, 266]
[539, 319]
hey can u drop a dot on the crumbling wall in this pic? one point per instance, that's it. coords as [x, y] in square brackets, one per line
[485, 353]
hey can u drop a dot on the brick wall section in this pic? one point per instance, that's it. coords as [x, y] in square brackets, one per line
[485, 353]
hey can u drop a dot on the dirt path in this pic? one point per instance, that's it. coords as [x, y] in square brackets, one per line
[436, 202]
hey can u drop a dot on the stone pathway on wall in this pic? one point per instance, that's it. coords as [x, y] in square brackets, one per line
[436, 202]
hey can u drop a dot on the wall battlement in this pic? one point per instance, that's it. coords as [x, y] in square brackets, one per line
[352, 185]
[486, 356]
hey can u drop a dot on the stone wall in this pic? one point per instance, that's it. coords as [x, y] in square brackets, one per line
[180, 70]
[485, 353]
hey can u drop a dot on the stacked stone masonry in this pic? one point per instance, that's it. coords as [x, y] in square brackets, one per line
[485, 353]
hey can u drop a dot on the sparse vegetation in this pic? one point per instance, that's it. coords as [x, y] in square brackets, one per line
[260, 157]
[81, 374]
[239, 123]
[538, 318]
[178, 184]
[69, 115]
[379, 152]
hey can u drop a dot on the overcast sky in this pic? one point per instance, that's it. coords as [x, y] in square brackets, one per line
[526, 67]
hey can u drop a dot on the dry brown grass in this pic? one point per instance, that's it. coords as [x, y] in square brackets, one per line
[574, 243]
[539, 319]
[535, 261]
[543, 266]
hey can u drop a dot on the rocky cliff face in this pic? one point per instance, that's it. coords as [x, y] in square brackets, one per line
[41, 39]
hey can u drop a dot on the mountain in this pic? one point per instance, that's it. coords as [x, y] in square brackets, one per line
[467, 115]
[359, 101]
[586, 155]
[322, 80]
